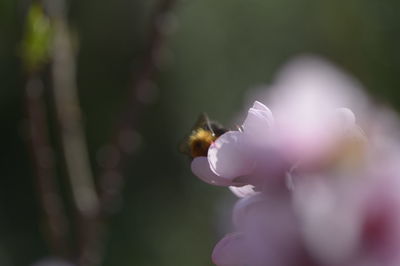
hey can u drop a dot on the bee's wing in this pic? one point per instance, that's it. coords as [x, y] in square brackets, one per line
[202, 122]
[217, 129]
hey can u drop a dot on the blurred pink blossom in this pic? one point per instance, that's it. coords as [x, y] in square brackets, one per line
[318, 175]
[308, 128]
[325, 222]
[267, 232]
[232, 158]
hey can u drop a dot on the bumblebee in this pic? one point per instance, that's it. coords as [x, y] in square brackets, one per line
[203, 134]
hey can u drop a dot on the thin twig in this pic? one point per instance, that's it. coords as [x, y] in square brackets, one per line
[72, 131]
[69, 115]
[42, 158]
[73, 138]
[112, 178]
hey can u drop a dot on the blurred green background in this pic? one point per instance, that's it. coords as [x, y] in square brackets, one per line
[216, 51]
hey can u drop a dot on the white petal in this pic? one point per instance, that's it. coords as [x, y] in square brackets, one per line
[228, 156]
[261, 107]
[257, 120]
[346, 116]
[230, 251]
[244, 191]
[242, 207]
[201, 168]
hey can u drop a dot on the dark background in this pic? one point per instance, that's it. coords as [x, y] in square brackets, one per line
[216, 51]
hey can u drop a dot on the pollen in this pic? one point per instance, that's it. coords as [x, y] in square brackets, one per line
[200, 141]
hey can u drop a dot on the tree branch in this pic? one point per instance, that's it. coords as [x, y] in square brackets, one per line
[42, 157]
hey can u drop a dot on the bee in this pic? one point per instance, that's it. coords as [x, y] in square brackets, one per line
[203, 134]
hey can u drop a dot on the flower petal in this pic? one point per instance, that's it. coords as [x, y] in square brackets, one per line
[262, 107]
[259, 117]
[346, 116]
[229, 251]
[328, 210]
[201, 168]
[242, 207]
[244, 191]
[228, 157]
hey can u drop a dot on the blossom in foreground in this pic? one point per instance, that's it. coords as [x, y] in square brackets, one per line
[264, 150]
[232, 158]
[308, 128]
[326, 221]
[266, 232]
[318, 175]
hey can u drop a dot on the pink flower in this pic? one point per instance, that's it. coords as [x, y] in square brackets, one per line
[307, 129]
[326, 221]
[352, 221]
[267, 234]
[239, 158]
[265, 150]
[315, 189]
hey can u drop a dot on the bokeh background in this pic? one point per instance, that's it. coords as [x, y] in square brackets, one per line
[215, 51]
